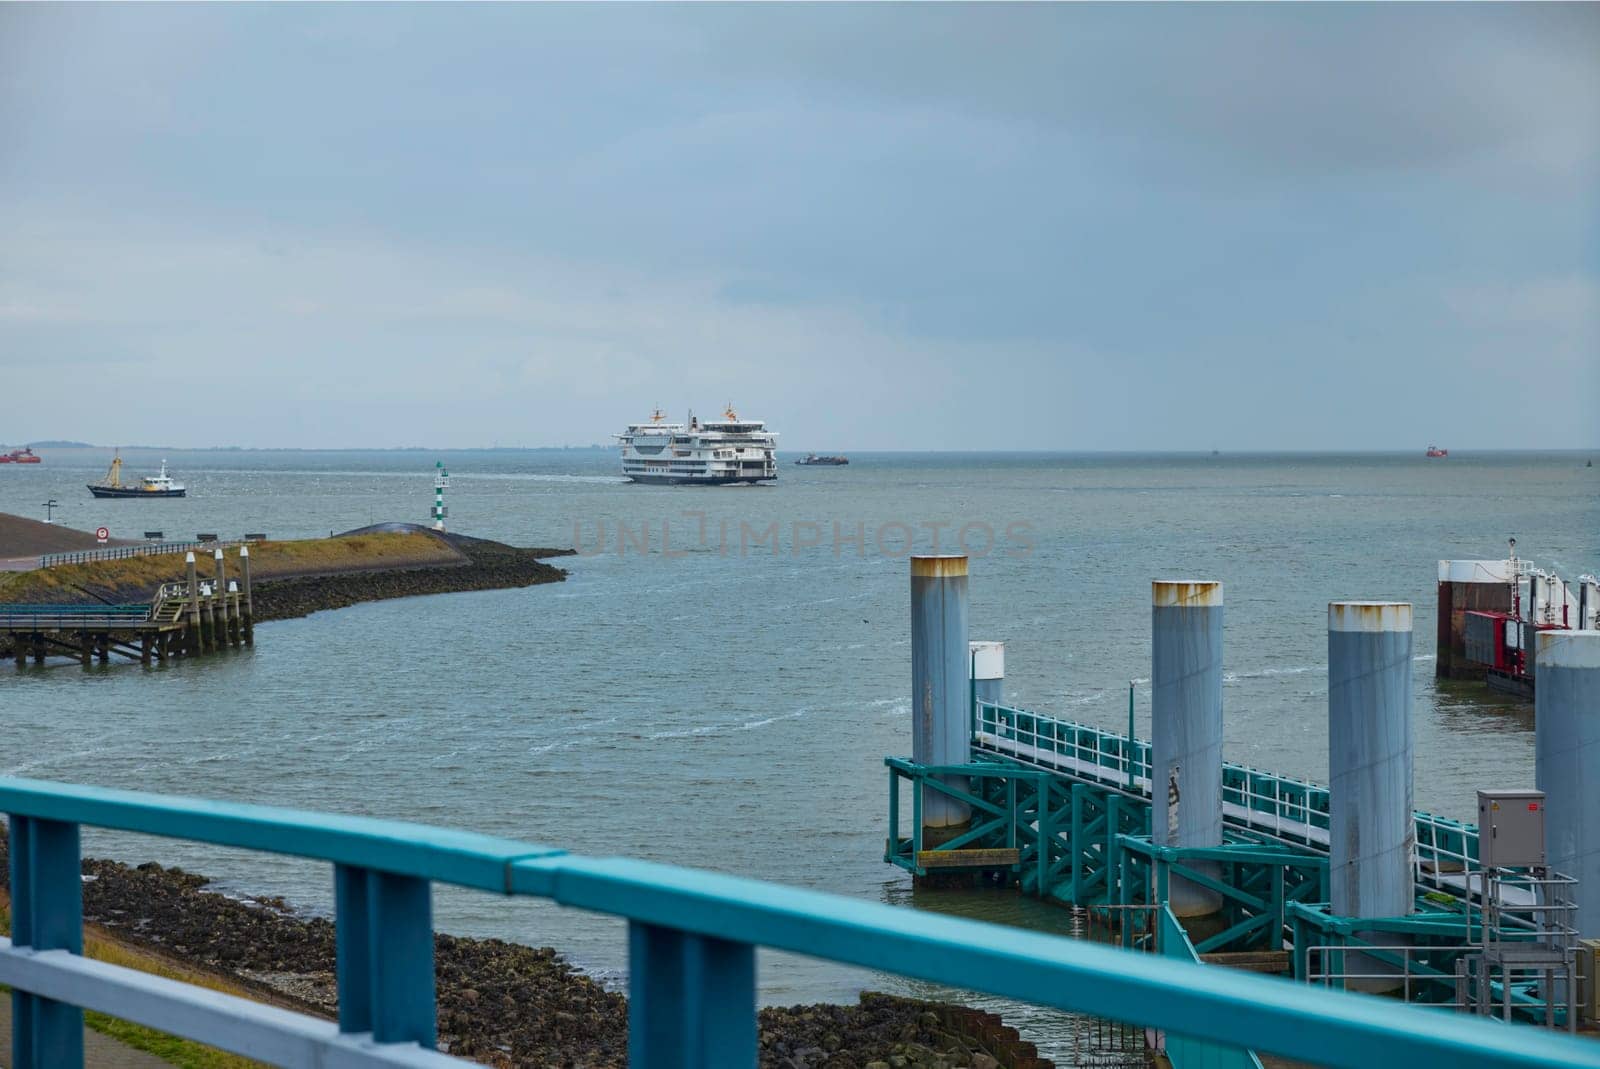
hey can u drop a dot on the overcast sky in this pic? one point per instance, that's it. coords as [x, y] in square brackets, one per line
[997, 227]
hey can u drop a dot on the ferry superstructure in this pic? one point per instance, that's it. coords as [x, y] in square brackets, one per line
[713, 452]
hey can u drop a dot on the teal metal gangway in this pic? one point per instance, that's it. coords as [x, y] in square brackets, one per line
[1279, 807]
[691, 944]
[1072, 803]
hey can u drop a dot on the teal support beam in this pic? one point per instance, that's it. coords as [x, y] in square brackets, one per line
[1079, 844]
[46, 914]
[1046, 835]
[384, 956]
[1011, 807]
[691, 1000]
[1111, 852]
[352, 948]
[893, 844]
[400, 910]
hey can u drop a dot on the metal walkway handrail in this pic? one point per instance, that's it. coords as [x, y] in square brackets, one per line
[692, 939]
[1283, 807]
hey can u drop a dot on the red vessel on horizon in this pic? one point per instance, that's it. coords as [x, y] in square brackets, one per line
[1435, 451]
[19, 456]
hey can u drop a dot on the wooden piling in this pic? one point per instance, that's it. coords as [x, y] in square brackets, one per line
[209, 610]
[219, 595]
[144, 648]
[105, 648]
[85, 647]
[192, 635]
[249, 622]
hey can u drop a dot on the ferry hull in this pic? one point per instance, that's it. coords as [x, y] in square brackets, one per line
[698, 480]
[127, 491]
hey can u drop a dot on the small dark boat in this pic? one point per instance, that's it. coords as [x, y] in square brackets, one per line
[811, 459]
[149, 486]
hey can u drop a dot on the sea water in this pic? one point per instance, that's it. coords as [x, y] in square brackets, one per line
[718, 680]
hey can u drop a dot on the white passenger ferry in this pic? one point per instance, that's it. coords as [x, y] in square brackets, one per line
[726, 450]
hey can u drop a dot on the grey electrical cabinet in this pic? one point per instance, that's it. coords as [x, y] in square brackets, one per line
[1511, 829]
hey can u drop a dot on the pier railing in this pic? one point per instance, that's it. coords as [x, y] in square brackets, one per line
[148, 549]
[38, 617]
[691, 941]
[1286, 808]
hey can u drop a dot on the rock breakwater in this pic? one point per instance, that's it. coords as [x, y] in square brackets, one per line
[486, 566]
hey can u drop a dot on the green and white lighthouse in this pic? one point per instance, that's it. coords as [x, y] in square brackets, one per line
[441, 482]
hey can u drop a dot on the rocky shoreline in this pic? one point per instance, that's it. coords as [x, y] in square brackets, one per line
[488, 566]
[506, 1005]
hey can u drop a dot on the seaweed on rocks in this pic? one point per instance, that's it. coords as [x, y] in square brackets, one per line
[889, 1032]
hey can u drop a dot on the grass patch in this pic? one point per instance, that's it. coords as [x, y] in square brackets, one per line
[136, 578]
[180, 1052]
[169, 1048]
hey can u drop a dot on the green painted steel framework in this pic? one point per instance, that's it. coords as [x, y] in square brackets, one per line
[1073, 802]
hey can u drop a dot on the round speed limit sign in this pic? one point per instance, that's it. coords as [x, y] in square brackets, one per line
[101, 533]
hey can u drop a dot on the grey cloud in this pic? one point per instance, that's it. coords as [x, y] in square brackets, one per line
[1287, 88]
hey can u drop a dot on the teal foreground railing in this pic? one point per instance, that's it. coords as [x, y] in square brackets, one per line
[1185, 1052]
[691, 943]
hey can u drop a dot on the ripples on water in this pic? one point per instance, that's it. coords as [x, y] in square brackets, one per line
[731, 710]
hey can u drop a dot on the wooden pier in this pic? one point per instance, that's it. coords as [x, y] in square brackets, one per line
[185, 619]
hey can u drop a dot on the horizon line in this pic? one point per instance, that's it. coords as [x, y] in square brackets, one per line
[596, 447]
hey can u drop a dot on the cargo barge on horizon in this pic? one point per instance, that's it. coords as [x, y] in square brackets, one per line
[713, 452]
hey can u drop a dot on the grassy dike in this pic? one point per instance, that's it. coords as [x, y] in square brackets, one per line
[137, 578]
[296, 578]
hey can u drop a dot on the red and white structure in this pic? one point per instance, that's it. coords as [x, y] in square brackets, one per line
[1490, 612]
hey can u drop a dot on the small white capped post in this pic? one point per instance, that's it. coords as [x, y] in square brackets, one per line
[249, 604]
[988, 670]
